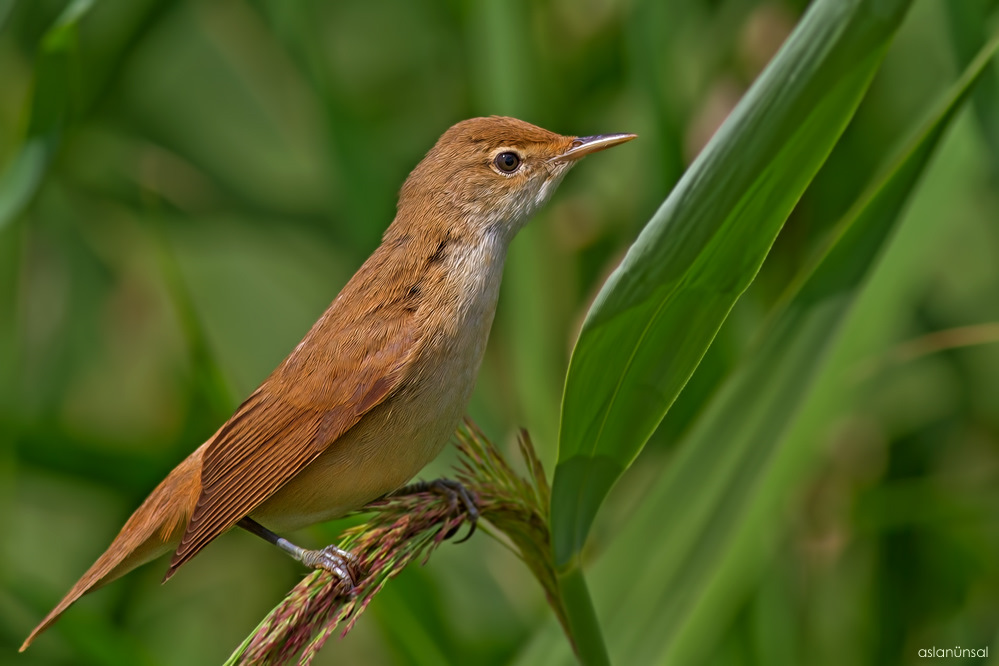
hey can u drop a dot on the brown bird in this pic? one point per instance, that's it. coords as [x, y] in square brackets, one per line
[377, 386]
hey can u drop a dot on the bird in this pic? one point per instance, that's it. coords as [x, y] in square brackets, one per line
[377, 386]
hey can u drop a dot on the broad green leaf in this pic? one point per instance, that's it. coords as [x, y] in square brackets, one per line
[660, 310]
[707, 527]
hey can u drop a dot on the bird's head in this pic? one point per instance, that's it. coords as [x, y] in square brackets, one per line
[491, 174]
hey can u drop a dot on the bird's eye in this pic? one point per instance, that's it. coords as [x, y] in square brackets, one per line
[507, 162]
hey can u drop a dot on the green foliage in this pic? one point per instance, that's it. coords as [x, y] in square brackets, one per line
[753, 436]
[187, 184]
[661, 308]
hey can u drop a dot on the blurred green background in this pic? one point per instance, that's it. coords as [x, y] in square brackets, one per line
[188, 184]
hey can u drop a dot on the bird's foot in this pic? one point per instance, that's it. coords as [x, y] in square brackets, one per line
[337, 561]
[455, 492]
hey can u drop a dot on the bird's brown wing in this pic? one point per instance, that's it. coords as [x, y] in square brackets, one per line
[316, 395]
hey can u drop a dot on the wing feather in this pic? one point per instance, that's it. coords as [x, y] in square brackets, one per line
[347, 364]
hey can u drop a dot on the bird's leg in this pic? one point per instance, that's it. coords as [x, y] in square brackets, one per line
[455, 492]
[337, 561]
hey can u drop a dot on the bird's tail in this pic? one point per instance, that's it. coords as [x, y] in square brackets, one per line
[154, 529]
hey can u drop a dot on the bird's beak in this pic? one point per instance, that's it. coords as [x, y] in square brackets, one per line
[585, 145]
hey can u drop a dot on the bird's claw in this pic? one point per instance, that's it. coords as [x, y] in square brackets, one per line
[339, 562]
[455, 492]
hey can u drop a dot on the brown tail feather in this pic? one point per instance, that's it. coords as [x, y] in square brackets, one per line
[153, 530]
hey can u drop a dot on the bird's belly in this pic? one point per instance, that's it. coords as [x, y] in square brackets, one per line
[384, 450]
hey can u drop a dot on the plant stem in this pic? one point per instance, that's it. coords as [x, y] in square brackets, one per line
[584, 630]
